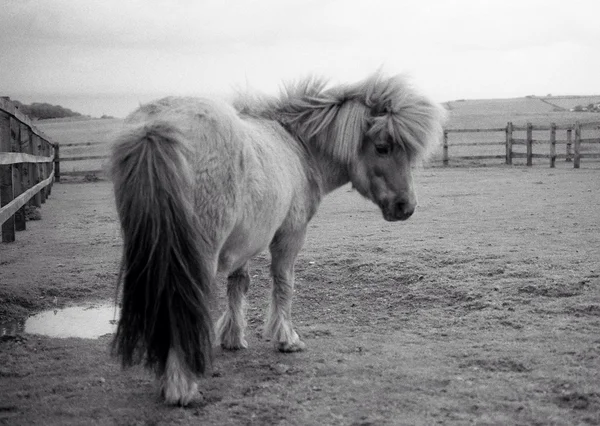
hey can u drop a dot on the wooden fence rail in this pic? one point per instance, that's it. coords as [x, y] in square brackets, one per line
[27, 168]
[573, 147]
[509, 142]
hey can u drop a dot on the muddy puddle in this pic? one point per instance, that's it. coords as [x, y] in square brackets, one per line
[86, 321]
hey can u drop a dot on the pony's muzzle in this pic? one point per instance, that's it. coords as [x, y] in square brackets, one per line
[403, 209]
[399, 209]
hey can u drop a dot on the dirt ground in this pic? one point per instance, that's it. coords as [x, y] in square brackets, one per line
[483, 308]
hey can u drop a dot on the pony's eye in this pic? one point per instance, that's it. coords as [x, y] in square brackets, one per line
[383, 149]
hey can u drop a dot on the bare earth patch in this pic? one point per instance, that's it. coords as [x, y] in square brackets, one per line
[482, 308]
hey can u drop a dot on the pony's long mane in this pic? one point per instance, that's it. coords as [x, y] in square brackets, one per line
[336, 119]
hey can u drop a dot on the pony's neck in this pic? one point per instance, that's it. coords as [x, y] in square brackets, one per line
[332, 174]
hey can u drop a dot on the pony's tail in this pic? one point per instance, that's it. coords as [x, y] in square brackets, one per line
[165, 281]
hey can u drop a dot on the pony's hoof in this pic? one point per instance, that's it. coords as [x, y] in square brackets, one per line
[235, 346]
[296, 346]
[178, 395]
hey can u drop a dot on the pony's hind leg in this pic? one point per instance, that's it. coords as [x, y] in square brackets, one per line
[230, 327]
[178, 384]
[284, 249]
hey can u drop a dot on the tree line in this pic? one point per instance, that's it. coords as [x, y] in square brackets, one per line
[42, 110]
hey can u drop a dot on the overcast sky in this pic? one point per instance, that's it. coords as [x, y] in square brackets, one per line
[105, 56]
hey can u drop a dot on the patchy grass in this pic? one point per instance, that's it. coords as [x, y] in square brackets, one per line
[482, 308]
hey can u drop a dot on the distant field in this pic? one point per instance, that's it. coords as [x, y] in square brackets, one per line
[569, 102]
[517, 106]
[496, 113]
[70, 131]
[500, 106]
[470, 114]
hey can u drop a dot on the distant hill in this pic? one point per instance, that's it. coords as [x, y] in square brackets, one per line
[499, 106]
[525, 105]
[43, 111]
[538, 110]
[574, 103]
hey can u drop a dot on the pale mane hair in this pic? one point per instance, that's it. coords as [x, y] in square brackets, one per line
[336, 119]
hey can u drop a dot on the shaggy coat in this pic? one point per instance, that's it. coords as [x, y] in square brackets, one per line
[202, 186]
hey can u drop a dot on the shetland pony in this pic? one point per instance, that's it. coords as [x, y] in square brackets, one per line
[202, 186]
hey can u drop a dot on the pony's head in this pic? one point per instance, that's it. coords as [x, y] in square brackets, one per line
[383, 174]
[377, 129]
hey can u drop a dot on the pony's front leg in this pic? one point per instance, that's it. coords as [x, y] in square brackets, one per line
[284, 249]
[230, 327]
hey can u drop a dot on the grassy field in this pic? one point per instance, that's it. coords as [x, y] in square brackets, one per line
[496, 113]
[484, 308]
[473, 114]
[100, 132]
[569, 102]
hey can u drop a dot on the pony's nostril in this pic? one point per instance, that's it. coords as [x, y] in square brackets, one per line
[404, 209]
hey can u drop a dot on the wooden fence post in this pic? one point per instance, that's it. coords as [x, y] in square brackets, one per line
[36, 201]
[552, 145]
[569, 139]
[577, 157]
[48, 166]
[509, 142]
[445, 147]
[18, 175]
[26, 147]
[51, 163]
[42, 166]
[529, 144]
[57, 162]
[25, 143]
[6, 178]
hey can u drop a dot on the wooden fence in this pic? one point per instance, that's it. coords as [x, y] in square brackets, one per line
[573, 143]
[525, 142]
[27, 168]
[96, 171]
